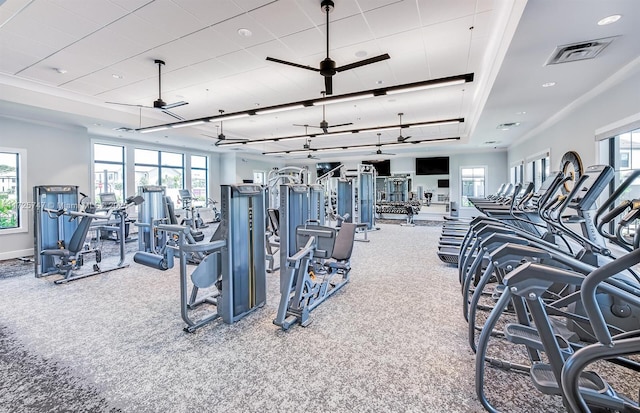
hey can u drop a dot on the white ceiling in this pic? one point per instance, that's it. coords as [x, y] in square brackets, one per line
[505, 43]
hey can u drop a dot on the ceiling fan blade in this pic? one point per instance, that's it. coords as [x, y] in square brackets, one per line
[403, 138]
[340, 124]
[363, 62]
[328, 85]
[284, 62]
[234, 139]
[168, 112]
[129, 104]
[175, 105]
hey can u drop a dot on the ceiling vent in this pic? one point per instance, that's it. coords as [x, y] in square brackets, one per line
[578, 51]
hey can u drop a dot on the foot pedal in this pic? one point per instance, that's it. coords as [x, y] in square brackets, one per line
[545, 381]
[519, 334]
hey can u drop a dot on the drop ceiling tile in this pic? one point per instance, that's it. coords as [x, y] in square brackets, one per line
[44, 70]
[99, 12]
[131, 5]
[282, 18]
[207, 12]
[210, 43]
[302, 45]
[378, 19]
[58, 18]
[39, 32]
[105, 46]
[241, 60]
[349, 31]
[141, 31]
[170, 18]
[432, 12]
[15, 60]
[176, 54]
[229, 30]
[10, 41]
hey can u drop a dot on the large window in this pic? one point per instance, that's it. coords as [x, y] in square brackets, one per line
[517, 173]
[108, 170]
[473, 183]
[538, 169]
[160, 168]
[11, 190]
[199, 179]
[624, 155]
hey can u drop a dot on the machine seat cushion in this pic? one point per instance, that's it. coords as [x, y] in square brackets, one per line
[56, 252]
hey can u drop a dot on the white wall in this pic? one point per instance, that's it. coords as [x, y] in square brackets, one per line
[576, 130]
[55, 155]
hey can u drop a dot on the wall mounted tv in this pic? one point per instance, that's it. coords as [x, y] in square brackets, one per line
[323, 168]
[438, 165]
[383, 166]
[443, 183]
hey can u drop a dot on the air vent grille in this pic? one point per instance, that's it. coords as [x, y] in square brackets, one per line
[578, 51]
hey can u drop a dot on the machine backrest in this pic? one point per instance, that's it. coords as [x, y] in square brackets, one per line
[80, 234]
[344, 242]
[274, 220]
[171, 211]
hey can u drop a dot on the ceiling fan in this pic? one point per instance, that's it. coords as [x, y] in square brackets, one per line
[324, 125]
[221, 136]
[307, 146]
[159, 103]
[402, 138]
[379, 150]
[328, 66]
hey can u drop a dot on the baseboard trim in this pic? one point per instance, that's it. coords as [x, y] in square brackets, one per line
[16, 254]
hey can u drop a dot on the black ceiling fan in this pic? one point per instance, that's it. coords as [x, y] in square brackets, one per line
[307, 146]
[402, 138]
[379, 150]
[324, 125]
[221, 136]
[328, 66]
[159, 103]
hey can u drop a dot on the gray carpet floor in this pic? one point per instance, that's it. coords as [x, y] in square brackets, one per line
[391, 340]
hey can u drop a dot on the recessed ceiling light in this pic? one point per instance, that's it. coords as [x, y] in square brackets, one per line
[245, 32]
[361, 53]
[490, 142]
[97, 124]
[548, 84]
[521, 113]
[379, 82]
[609, 19]
[61, 71]
[116, 76]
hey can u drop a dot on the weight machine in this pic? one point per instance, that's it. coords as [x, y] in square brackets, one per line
[231, 276]
[67, 254]
[304, 245]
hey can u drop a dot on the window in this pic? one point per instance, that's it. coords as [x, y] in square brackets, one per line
[160, 168]
[473, 183]
[258, 177]
[624, 156]
[199, 179]
[108, 170]
[12, 191]
[517, 173]
[538, 169]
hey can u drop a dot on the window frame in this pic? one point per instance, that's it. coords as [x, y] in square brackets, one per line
[485, 170]
[21, 192]
[122, 164]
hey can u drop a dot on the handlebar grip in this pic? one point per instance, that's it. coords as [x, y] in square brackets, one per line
[606, 218]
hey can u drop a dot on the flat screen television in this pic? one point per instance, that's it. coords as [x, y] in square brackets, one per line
[438, 165]
[443, 183]
[323, 168]
[383, 166]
